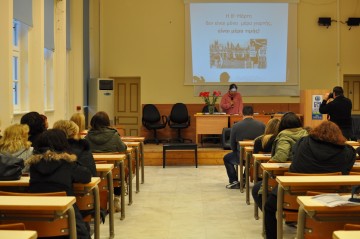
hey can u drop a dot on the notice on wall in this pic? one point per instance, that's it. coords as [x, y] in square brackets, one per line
[316, 102]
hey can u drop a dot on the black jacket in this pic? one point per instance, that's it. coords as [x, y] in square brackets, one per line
[55, 172]
[339, 111]
[314, 156]
[84, 156]
[258, 144]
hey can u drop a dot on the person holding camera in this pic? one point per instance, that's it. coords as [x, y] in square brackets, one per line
[338, 108]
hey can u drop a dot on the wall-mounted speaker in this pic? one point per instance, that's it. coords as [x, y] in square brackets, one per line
[324, 21]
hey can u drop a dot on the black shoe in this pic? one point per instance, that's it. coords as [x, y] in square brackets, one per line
[233, 185]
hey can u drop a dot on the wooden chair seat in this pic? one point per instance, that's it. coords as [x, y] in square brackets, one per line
[352, 227]
[47, 226]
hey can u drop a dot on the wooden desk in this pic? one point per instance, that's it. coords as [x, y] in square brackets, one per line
[141, 140]
[136, 146]
[353, 143]
[346, 234]
[242, 145]
[258, 159]
[248, 155]
[270, 170]
[60, 205]
[311, 207]
[79, 188]
[286, 182]
[210, 124]
[118, 161]
[15, 234]
[260, 117]
[106, 170]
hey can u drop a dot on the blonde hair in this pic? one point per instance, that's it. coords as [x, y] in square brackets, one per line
[79, 119]
[69, 127]
[15, 137]
[272, 128]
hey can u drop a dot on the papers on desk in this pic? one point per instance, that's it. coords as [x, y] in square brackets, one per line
[334, 199]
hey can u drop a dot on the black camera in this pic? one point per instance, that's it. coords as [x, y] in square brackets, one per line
[331, 96]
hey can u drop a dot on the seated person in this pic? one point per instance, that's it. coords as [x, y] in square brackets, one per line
[264, 142]
[247, 129]
[323, 151]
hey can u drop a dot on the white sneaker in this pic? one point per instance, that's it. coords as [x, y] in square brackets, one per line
[117, 205]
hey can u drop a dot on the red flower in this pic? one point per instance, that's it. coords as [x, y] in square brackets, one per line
[206, 96]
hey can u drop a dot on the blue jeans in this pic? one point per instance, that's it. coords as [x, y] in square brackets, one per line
[231, 160]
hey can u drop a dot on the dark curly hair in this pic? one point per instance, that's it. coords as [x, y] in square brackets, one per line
[329, 132]
[35, 122]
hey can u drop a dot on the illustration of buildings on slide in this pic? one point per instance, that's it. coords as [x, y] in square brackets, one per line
[233, 55]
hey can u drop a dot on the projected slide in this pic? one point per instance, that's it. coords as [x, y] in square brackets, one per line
[239, 42]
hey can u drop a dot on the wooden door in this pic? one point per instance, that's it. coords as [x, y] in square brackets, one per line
[127, 104]
[352, 91]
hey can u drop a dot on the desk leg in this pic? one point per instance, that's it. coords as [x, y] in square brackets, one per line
[241, 169]
[72, 223]
[97, 212]
[137, 169]
[279, 212]
[142, 162]
[256, 169]
[111, 204]
[130, 178]
[301, 223]
[247, 175]
[122, 175]
[264, 197]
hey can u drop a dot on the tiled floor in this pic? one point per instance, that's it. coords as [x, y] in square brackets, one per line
[188, 202]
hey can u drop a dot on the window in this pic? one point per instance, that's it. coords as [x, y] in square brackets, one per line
[16, 66]
[19, 64]
[48, 79]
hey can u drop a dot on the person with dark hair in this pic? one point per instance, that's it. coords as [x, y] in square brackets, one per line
[102, 139]
[231, 102]
[247, 129]
[338, 108]
[323, 151]
[36, 124]
[54, 169]
[290, 131]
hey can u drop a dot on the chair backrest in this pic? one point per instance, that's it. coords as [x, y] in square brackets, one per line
[12, 226]
[225, 138]
[150, 114]
[179, 113]
[352, 227]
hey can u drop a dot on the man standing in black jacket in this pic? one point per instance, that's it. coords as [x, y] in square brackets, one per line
[339, 110]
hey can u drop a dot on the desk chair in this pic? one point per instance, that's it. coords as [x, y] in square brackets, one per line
[152, 120]
[225, 138]
[47, 227]
[179, 119]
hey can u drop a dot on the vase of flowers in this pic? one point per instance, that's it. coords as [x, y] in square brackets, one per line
[210, 100]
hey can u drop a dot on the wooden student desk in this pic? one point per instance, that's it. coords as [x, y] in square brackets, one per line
[258, 159]
[287, 182]
[270, 170]
[106, 170]
[15, 234]
[346, 234]
[310, 207]
[248, 155]
[79, 188]
[60, 205]
[210, 124]
[136, 146]
[242, 156]
[142, 159]
[118, 161]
